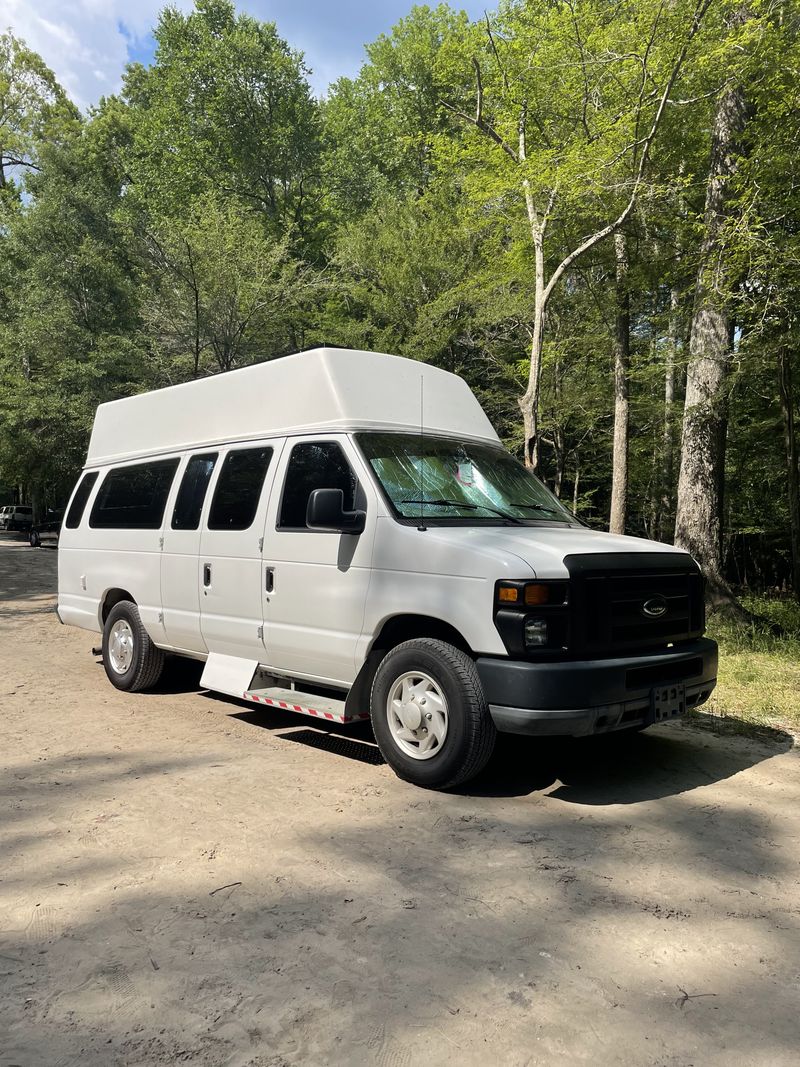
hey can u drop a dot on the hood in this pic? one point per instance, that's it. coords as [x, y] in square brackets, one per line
[542, 548]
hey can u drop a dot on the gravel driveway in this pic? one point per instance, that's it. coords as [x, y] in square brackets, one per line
[185, 878]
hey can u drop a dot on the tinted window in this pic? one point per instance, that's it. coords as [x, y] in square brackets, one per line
[317, 465]
[134, 498]
[239, 488]
[192, 492]
[82, 493]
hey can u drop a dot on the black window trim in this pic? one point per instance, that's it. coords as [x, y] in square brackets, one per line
[176, 459]
[189, 457]
[219, 470]
[313, 441]
[86, 476]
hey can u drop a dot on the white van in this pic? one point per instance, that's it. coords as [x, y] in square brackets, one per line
[16, 517]
[342, 534]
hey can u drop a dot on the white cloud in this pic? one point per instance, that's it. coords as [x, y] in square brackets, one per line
[82, 41]
[88, 42]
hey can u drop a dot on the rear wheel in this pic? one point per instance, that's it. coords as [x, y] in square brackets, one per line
[131, 660]
[34, 539]
[429, 714]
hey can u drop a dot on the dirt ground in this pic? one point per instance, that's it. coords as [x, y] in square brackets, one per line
[187, 879]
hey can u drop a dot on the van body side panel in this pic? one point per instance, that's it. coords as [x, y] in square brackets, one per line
[314, 615]
[180, 593]
[230, 570]
[417, 573]
[78, 591]
[120, 566]
[95, 560]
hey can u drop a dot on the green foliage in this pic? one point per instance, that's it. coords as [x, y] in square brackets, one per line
[759, 670]
[34, 112]
[224, 109]
[215, 214]
[70, 337]
[381, 127]
[222, 293]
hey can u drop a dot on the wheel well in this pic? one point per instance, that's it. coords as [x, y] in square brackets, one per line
[407, 627]
[112, 597]
[393, 632]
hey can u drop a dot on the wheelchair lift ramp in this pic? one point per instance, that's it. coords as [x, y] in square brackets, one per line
[228, 674]
[304, 703]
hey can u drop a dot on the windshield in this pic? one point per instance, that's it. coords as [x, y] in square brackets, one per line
[446, 481]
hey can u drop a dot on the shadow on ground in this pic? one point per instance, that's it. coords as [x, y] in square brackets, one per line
[621, 768]
[413, 928]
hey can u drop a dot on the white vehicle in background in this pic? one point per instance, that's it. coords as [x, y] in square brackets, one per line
[341, 533]
[16, 517]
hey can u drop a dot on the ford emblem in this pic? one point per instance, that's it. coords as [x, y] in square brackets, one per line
[655, 607]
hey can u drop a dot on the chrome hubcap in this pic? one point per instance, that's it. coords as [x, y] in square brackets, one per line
[417, 714]
[120, 646]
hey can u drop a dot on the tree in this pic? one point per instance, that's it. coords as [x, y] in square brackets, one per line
[224, 109]
[70, 337]
[222, 293]
[622, 356]
[599, 125]
[381, 128]
[34, 112]
[698, 526]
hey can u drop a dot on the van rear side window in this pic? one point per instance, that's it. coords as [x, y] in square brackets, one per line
[192, 492]
[82, 494]
[239, 488]
[134, 498]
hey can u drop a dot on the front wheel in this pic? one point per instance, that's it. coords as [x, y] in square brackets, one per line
[131, 660]
[429, 714]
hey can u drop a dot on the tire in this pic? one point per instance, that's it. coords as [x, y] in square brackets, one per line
[131, 661]
[34, 539]
[449, 684]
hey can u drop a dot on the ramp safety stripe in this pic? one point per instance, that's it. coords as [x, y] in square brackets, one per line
[304, 710]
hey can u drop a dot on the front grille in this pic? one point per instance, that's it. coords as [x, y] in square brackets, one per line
[610, 593]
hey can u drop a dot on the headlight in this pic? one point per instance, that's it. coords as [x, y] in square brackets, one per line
[533, 617]
[535, 632]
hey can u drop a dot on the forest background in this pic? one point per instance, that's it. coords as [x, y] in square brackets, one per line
[590, 209]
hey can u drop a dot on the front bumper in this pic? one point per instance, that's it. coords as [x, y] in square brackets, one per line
[576, 698]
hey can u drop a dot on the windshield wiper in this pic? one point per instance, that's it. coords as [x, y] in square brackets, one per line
[441, 502]
[537, 507]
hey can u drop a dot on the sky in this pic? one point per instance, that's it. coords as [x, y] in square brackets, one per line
[88, 42]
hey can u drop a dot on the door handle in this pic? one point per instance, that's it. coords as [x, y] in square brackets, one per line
[206, 574]
[269, 579]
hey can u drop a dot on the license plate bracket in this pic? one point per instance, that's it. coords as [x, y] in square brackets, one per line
[667, 702]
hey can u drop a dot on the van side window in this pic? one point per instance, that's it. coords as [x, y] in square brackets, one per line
[192, 493]
[314, 465]
[134, 498]
[82, 494]
[239, 489]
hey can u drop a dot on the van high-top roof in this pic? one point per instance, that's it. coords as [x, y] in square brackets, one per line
[325, 389]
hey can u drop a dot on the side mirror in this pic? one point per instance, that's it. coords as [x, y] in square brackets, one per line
[325, 511]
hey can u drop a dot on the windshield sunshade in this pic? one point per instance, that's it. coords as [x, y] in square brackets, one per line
[442, 480]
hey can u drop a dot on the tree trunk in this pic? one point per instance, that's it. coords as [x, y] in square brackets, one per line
[793, 480]
[529, 403]
[698, 526]
[668, 440]
[622, 355]
[560, 456]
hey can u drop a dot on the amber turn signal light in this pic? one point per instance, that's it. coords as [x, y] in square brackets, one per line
[507, 594]
[536, 594]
